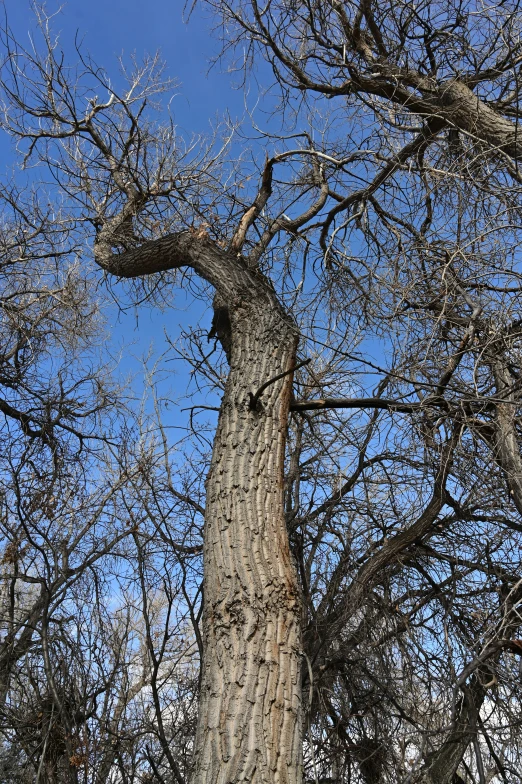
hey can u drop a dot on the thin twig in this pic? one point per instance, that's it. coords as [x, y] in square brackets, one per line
[254, 399]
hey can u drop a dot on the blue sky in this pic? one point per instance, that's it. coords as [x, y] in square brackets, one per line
[109, 28]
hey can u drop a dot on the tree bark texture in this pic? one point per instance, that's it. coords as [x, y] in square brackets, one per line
[249, 725]
[450, 104]
[505, 441]
[250, 712]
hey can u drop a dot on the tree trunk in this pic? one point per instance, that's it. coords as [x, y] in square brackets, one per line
[249, 723]
[250, 714]
[249, 726]
[505, 442]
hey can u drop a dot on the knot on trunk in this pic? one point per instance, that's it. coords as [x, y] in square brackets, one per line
[221, 328]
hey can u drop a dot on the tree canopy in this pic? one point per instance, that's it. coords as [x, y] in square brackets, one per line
[323, 583]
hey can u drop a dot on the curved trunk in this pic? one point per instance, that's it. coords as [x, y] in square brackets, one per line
[249, 722]
[249, 726]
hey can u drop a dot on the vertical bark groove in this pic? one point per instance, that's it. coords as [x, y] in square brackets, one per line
[249, 726]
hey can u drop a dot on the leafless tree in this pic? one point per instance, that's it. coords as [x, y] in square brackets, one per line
[361, 548]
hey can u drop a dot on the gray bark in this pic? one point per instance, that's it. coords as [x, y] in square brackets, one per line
[505, 441]
[250, 712]
[249, 725]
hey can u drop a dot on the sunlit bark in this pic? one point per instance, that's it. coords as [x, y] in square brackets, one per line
[249, 726]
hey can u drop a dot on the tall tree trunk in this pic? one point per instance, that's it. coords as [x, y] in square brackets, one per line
[505, 442]
[249, 726]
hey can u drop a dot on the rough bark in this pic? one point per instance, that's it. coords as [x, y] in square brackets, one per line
[249, 725]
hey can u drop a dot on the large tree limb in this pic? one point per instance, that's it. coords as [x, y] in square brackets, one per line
[453, 104]
[334, 608]
[193, 248]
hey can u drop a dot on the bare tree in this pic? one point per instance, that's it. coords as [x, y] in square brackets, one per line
[362, 505]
